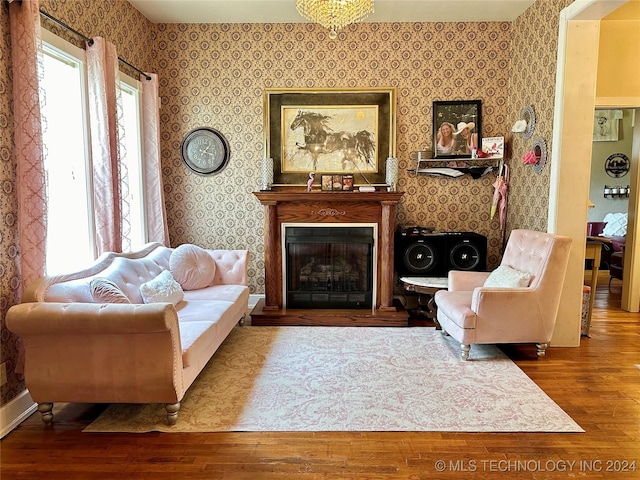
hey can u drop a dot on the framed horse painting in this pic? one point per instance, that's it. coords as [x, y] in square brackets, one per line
[332, 131]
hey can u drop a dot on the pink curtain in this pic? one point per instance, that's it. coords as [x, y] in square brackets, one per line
[102, 74]
[157, 229]
[31, 189]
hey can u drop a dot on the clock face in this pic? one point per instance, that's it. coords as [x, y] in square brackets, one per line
[205, 151]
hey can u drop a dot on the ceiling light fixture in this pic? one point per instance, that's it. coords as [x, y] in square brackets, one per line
[334, 14]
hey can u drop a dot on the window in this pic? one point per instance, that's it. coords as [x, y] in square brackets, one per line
[70, 229]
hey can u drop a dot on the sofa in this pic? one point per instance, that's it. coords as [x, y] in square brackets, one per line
[133, 328]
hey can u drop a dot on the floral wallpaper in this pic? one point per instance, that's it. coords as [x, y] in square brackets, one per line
[215, 75]
[532, 83]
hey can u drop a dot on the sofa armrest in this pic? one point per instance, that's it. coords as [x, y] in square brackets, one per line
[102, 353]
[460, 280]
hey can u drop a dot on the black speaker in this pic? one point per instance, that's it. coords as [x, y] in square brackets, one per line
[466, 251]
[420, 255]
[433, 255]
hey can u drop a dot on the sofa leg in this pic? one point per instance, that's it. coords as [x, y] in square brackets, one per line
[541, 349]
[464, 351]
[172, 412]
[445, 333]
[46, 410]
[242, 319]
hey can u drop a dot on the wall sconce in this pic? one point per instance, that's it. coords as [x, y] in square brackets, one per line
[616, 191]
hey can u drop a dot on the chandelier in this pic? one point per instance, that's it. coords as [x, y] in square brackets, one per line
[334, 14]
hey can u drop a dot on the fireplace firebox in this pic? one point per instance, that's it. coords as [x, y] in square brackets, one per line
[329, 266]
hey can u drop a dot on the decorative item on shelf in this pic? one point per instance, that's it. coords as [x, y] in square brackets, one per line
[334, 14]
[616, 191]
[457, 127]
[527, 123]
[266, 171]
[312, 178]
[493, 147]
[392, 174]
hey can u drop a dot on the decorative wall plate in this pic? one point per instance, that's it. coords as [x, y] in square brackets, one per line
[205, 150]
[539, 148]
[617, 165]
[529, 116]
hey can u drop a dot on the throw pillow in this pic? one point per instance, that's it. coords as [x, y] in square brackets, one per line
[192, 267]
[507, 277]
[104, 290]
[616, 225]
[163, 288]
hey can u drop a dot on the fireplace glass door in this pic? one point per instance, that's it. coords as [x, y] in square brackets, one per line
[329, 267]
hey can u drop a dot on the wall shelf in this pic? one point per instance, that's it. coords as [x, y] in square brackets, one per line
[451, 167]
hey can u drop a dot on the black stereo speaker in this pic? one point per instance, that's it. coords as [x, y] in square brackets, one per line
[433, 255]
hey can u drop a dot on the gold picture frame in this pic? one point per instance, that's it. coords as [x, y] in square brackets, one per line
[329, 130]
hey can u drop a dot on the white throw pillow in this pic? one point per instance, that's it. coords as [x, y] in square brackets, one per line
[507, 277]
[163, 288]
[192, 267]
[616, 225]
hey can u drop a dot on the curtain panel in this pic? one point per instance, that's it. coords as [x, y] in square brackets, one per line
[102, 76]
[157, 229]
[30, 182]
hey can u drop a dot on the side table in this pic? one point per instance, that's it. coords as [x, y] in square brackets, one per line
[426, 288]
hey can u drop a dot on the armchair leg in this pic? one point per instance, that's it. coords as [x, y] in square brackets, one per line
[46, 410]
[541, 349]
[172, 412]
[464, 351]
[242, 320]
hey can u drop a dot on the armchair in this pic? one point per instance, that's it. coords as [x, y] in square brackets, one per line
[517, 303]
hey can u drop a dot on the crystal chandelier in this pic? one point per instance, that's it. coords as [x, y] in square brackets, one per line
[334, 14]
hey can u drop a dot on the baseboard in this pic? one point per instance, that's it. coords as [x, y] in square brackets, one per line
[15, 412]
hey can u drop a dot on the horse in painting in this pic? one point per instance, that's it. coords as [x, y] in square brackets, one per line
[320, 139]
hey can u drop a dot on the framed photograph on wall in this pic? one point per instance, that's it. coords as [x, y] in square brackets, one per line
[330, 131]
[457, 128]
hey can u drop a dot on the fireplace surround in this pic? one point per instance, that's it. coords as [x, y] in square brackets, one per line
[294, 206]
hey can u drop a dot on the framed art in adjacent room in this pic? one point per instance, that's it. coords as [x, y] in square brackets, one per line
[330, 130]
[457, 128]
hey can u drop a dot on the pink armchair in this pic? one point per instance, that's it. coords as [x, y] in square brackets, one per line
[480, 307]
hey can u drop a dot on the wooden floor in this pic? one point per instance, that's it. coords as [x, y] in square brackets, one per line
[597, 384]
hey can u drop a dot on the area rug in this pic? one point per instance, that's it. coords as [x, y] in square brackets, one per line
[350, 379]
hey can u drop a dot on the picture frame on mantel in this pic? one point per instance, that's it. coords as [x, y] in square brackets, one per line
[457, 128]
[329, 131]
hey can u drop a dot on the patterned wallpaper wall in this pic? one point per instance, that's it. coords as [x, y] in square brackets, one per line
[532, 82]
[215, 75]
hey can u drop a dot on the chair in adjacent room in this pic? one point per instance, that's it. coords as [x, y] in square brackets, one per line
[516, 303]
[616, 267]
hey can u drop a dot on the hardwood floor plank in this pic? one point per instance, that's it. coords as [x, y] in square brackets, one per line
[597, 384]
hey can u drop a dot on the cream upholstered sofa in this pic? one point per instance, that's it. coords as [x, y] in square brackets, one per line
[90, 337]
[516, 303]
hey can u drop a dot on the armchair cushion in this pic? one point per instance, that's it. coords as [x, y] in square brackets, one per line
[507, 277]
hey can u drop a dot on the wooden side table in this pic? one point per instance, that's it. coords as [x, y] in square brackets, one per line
[426, 288]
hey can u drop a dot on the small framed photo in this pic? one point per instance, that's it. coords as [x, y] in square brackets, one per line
[347, 182]
[327, 183]
[337, 182]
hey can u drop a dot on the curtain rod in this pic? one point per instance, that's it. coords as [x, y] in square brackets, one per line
[88, 40]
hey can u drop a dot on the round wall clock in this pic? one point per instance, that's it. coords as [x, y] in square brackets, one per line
[617, 165]
[205, 150]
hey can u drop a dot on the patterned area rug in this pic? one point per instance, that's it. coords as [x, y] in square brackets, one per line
[350, 379]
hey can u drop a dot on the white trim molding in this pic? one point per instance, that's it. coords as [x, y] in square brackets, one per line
[15, 412]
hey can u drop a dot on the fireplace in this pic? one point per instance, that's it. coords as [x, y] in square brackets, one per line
[329, 266]
[370, 301]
